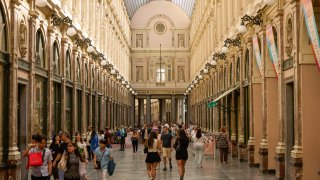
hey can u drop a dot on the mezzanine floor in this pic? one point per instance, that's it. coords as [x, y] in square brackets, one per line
[131, 167]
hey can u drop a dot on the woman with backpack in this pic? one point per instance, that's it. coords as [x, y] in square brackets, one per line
[40, 159]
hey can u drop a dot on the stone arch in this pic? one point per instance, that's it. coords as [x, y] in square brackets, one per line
[40, 49]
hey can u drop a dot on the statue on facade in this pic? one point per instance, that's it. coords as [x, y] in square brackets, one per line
[181, 74]
[139, 74]
[139, 41]
[181, 40]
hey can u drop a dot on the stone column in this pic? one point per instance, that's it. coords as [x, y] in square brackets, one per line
[148, 109]
[141, 112]
[84, 126]
[10, 149]
[132, 111]
[264, 142]
[164, 111]
[173, 109]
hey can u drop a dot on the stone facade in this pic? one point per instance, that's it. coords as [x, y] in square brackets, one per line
[266, 107]
[49, 82]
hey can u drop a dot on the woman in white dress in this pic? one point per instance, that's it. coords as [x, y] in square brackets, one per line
[81, 146]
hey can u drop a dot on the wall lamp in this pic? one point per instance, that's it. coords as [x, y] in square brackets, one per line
[234, 42]
[96, 56]
[57, 21]
[220, 55]
[251, 20]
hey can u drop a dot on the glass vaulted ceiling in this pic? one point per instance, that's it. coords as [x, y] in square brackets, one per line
[134, 5]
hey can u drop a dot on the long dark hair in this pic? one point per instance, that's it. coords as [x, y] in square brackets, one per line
[77, 133]
[182, 136]
[53, 140]
[199, 134]
[152, 136]
[76, 152]
[93, 134]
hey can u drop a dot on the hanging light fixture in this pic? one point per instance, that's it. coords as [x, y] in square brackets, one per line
[41, 3]
[90, 49]
[200, 76]
[104, 62]
[192, 86]
[189, 89]
[113, 71]
[128, 86]
[185, 94]
[123, 82]
[224, 49]
[213, 62]
[205, 71]
[242, 28]
[269, 2]
[136, 94]
[71, 31]
[195, 81]
[118, 77]
[130, 89]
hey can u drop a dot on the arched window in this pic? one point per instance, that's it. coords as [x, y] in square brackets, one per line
[225, 78]
[3, 31]
[86, 73]
[68, 65]
[56, 58]
[78, 77]
[230, 75]
[92, 77]
[246, 65]
[40, 50]
[238, 69]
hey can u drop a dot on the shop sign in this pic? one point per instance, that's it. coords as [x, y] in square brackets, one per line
[309, 18]
[272, 49]
[256, 49]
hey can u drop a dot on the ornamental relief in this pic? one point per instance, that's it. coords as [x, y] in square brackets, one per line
[22, 38]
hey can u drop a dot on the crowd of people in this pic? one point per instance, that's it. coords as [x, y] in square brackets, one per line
[67, 159]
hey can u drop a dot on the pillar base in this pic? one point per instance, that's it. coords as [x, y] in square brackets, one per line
[280, 161]
[234, 146]
[10, 170]
[250, 152]
[242, 148]
[263, 151]
[296, 163]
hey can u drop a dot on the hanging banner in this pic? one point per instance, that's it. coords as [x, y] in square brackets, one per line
[272, 49]
[309, 18]
[257, 53]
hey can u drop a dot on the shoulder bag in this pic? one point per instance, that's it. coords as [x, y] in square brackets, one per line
[36, 158]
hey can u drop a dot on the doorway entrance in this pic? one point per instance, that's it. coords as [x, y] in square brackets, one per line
[289, 126]
[22, 124]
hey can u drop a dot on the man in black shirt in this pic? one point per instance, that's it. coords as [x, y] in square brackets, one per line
[166, 141]
[65, 137]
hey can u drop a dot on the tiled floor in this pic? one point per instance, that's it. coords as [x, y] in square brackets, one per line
[131, 167]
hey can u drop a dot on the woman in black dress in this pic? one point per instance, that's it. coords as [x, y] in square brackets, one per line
[54, 148]
[181, 146]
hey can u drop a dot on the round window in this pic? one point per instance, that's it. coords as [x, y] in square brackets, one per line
[160, 27]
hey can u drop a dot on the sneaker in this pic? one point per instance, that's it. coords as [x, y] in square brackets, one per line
[164, 169]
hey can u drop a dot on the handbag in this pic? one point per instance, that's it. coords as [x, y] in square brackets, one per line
[36, 158]
[111, 167]
[198, 145]
[178, 148]
[62, 165]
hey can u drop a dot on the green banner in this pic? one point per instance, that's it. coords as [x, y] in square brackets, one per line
[212, 104]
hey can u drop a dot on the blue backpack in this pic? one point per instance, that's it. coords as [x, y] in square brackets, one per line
[111, 167]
